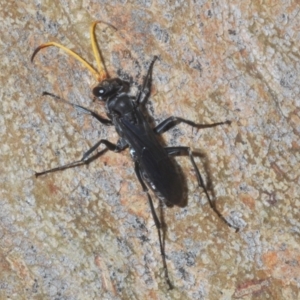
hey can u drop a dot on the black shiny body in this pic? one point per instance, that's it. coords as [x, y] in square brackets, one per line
[153, 164]
[156, 167]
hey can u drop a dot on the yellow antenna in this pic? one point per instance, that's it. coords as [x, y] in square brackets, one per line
[97, 53]
[101, 73]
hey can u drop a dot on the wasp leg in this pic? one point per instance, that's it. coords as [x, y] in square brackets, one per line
[178, 151]
[160, 225]
[173, 121]
[86, 158]
[102, 120]
[146, 89]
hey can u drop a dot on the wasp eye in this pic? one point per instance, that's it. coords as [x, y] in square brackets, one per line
[99, 92]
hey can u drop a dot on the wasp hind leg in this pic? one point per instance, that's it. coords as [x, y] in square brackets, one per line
[160, 224]
[186, 151]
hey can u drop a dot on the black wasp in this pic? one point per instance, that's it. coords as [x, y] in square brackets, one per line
[152, 163]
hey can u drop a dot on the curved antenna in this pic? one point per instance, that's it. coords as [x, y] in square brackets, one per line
[96, 50]
[99, 74]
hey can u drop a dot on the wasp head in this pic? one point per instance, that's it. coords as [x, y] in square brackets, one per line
[110, 87]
